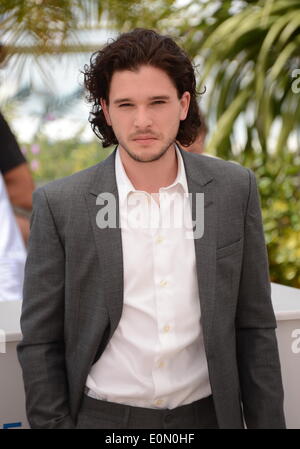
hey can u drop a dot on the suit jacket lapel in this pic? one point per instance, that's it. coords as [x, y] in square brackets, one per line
[200, 181]
[108, 240]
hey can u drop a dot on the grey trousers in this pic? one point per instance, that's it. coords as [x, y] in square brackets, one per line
[98, 414]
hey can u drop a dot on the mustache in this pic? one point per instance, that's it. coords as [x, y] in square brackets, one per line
[146, 135]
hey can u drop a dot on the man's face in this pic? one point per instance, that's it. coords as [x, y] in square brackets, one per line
[145, 112]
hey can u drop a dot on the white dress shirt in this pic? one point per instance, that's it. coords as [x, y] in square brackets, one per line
[12, 251]
[156, 356]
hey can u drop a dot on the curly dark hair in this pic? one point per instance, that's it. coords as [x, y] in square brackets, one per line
[129, 52]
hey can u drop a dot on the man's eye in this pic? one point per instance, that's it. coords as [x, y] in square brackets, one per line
[124, 104]
[158, 102]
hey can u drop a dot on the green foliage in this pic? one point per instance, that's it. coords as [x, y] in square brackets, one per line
[279, 186]
[53, 160]
[44, 25]
[248, 53]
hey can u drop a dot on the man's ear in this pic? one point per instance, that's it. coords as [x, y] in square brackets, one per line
[105, 111]
[185, 104]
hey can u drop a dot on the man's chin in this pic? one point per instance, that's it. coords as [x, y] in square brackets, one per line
[146, 156]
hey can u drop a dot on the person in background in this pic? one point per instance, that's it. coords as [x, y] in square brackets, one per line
[12, 251]
[17, 177]
[198, 145]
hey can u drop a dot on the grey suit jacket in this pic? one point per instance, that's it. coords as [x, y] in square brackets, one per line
[73, 295]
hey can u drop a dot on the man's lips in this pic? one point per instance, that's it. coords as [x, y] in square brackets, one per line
[145, 138]
[145, 141]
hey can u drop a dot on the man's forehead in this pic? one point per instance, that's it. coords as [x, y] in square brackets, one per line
[154, 81]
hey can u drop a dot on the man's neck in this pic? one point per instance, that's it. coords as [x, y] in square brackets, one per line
[151, 176]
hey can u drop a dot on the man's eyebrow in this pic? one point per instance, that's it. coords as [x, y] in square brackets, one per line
[160, 97]
[121, 100]
[129, 100]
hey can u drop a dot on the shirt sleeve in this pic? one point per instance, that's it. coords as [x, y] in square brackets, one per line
[10, 153]
[12, 251]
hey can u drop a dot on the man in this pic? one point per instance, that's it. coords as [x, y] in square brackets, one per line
[130, 326]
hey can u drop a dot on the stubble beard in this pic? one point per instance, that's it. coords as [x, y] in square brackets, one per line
[151, 158]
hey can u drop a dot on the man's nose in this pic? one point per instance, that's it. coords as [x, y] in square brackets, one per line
[142, 118]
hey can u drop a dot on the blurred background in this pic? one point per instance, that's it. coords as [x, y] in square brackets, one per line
[247, 61]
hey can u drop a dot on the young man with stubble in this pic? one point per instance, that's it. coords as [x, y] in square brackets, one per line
[143, 326]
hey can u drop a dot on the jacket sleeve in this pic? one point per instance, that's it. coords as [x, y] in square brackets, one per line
[41, 352]
[257, 350]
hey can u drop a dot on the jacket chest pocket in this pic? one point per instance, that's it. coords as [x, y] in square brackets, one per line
[230, 249]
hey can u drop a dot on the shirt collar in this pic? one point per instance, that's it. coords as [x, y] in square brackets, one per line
[181, 175]
[125, 186]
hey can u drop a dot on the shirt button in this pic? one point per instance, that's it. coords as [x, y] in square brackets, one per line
[159, 402]
[166, 328]
[159, 239]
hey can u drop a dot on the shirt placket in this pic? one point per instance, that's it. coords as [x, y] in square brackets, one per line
[161, 239]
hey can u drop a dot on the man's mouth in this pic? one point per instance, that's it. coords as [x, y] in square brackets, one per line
[144, 139]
